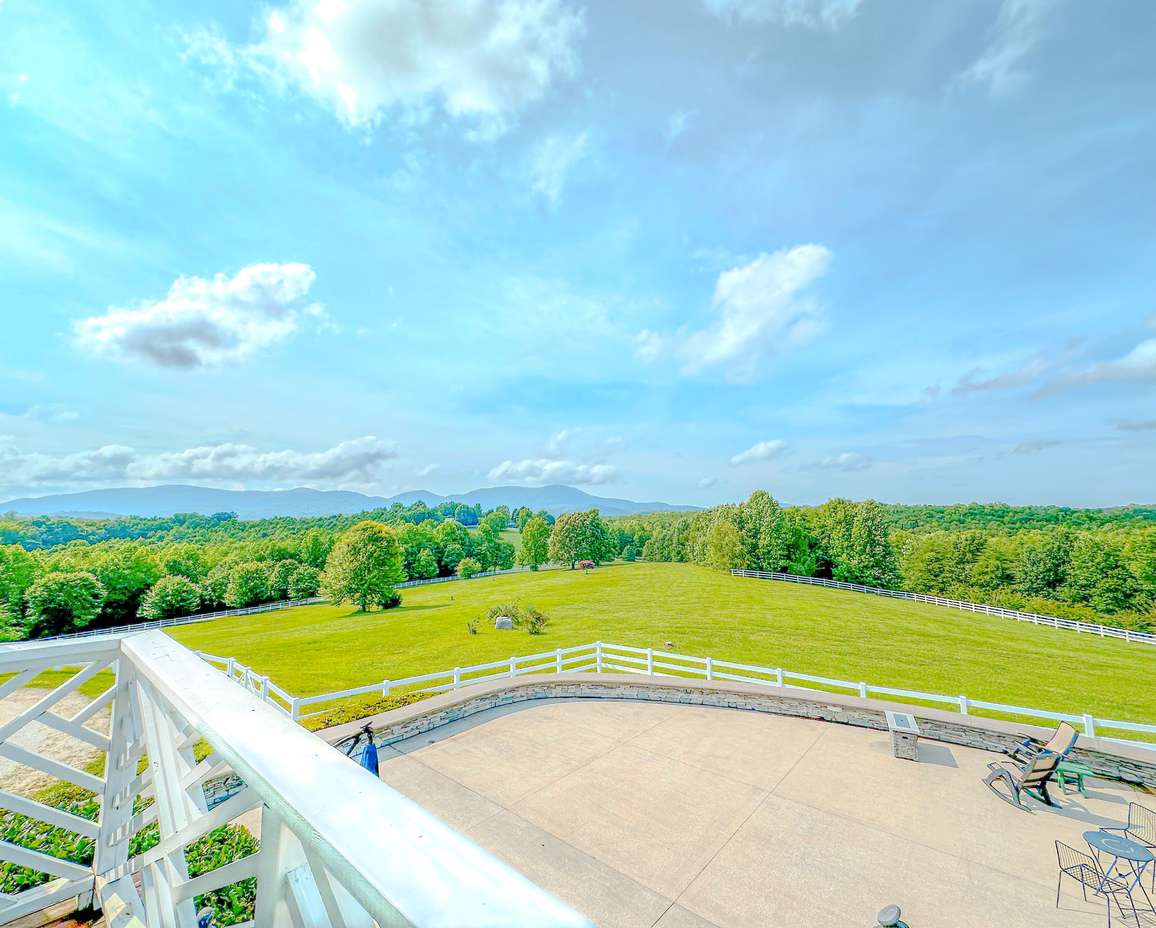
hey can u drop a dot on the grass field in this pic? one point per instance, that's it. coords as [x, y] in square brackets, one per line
[850, 636]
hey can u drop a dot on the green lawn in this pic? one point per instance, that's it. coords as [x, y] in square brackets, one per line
[850, 636]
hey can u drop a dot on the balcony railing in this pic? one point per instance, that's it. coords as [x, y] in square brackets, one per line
[338, 847]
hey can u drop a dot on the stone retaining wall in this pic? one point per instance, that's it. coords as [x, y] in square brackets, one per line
[1106, 759]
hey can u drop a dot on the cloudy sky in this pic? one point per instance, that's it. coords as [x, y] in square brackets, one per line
[670, 249]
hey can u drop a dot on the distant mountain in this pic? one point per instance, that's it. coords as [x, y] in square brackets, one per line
[165, 501]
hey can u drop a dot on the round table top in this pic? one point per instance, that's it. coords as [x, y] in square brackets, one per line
[1118, 846]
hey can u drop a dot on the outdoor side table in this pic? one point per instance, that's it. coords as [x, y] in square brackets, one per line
[1121, 848]
[1068, 770]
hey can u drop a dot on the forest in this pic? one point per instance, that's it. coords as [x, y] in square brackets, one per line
[59, 575]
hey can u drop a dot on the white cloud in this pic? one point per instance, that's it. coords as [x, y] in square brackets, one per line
[1015, 33]
[848, 460]
[424, 471]
[480, 61]
[760, 314]
[543, 470]
[1137, 425]
[971, 382]
[1032, 445]
[206, 322]
[552, 162]
[707, 482]
[1139, 364]
[829, 13]
[352, 463]
[763, 451]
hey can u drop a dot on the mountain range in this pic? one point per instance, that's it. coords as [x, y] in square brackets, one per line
[165, 501]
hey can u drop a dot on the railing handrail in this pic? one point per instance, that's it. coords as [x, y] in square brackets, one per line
[1104, 631]
[647, 660]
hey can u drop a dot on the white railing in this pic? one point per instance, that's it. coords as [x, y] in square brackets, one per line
[600, 657]
[1091, 628]
[187, 619]
[338, 846]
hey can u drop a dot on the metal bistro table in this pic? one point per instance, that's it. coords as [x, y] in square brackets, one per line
[1121, 848]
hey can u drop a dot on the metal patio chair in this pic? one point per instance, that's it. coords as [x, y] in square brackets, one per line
[1141, 828]
[1032, 778]
[1060, 743]
[1085, 868]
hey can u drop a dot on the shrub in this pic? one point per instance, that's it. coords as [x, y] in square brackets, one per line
[530, 619]
[472, 626]
[468, 567]
[390, 600]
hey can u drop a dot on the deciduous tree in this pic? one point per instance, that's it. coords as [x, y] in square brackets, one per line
[364, 565]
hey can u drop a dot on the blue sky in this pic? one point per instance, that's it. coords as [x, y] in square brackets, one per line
[668, 250]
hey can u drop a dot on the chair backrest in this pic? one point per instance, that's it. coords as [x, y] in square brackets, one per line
[1071, 859]
[1142, 822]
[1062, 741]
[1040, 769]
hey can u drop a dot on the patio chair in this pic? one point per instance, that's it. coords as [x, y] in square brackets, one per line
[1060, 743]
[1141, 828]
[1085, 868]
[1032, 778]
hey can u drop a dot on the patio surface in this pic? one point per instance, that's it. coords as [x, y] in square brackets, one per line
[640, 814]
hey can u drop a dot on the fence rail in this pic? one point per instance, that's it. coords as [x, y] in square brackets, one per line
[186, 619]
[1090, 628]
[601, 657]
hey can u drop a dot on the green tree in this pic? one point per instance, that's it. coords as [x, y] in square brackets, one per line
[724, 546]
[426, 565]
[521, 516]
[468, 567]
[766, 534]
[364, 565]
[18, 571]
[1044, 558]
[171, 596]
[535, 543]
[305, 582]
[63, 601]
[279, 578]
[248, 585]
[567, 543]
[1098, 575]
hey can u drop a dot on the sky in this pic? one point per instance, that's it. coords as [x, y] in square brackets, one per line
[674, 250]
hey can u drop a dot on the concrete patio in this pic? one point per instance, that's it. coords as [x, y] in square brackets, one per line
[641, 814]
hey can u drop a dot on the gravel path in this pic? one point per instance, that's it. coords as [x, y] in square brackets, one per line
[16, 778]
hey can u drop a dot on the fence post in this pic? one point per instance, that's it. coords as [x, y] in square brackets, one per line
[963, 705]
[863, 690]
[710, 668]
[558, 661]
[457, 677]
[779, 676]
[650, 661]
[232, 670]
[295, 709]
[265, 689]
[598, 655]
[513, 666]
[385, 687]
[1089, 726]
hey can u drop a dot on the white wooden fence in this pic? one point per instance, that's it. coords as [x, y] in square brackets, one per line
[600, 657]
[186, 619]
[1090, 628]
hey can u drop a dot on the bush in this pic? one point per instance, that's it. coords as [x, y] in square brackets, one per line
[472, 625]
[468, 567]
[530, 619]
[391, 600]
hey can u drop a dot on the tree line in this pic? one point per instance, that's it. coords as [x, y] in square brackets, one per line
[1036, 560]
[1104, 571]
